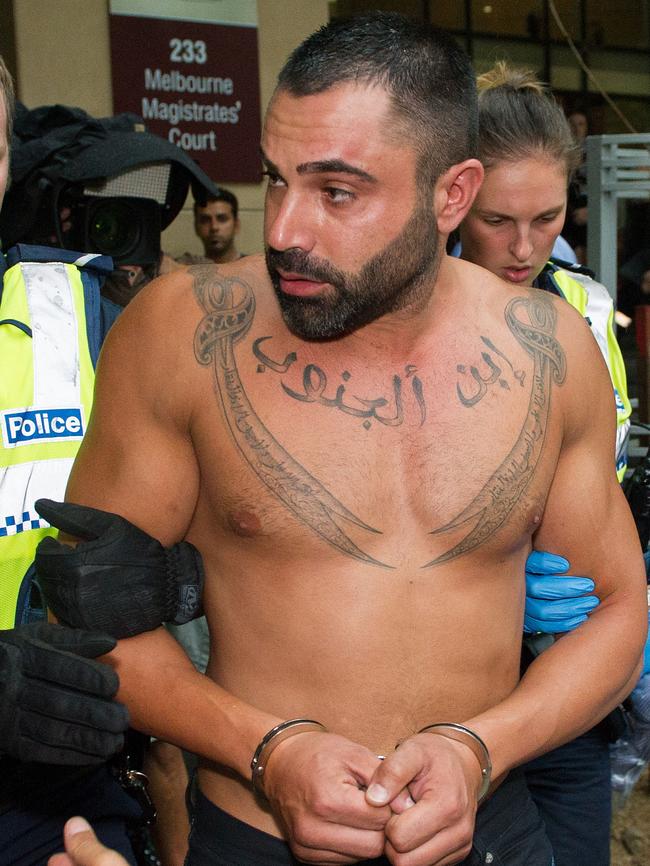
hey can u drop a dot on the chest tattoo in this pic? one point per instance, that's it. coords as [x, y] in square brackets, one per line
[493, 504]
[315, 384]
[229, 305]
[479, 383]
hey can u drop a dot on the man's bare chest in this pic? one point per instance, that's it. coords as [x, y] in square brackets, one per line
[443, 452]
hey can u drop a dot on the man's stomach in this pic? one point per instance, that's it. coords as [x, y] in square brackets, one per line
[373, 659]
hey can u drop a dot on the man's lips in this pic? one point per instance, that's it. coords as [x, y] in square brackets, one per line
[299, 285]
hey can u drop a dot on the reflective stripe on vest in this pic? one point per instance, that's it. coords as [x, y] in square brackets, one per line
[593, 301]
[45, 402]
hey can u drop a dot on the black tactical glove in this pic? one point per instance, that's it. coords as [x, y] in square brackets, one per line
[119, 580]
[56, 703]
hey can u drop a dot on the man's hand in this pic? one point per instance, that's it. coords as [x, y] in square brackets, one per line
[118, 580]
[443, 778]
[555, 601]
[315, 784]
[56, 703]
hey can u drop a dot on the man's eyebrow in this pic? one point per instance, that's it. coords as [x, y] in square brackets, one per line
[336, 166]
[323, 166]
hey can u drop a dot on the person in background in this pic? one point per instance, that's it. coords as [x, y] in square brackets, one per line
[575, 221]
[635, 282]
[528, 154]
[579, 126]
[216, 223]
[59, 722]
[517, 215]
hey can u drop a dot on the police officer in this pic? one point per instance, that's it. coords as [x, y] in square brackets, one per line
[58, 720]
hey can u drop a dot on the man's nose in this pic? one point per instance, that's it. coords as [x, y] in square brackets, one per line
[288, 223]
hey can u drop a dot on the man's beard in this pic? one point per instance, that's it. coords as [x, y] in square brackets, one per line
[400, 275]
[217, 245]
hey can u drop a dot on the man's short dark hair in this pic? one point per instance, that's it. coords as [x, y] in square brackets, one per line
[7, 95]
[428, 77]
[224, 195]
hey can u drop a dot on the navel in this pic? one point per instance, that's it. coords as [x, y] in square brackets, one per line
[244, 523]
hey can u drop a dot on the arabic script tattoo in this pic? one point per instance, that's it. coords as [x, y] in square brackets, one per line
[229, 304]
[495, 375]
[494, 503]
[314, 384]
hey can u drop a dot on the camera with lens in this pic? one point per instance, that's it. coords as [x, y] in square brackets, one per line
[125, 227]
[95, 185]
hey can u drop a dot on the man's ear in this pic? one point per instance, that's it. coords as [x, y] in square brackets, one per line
[455, 192]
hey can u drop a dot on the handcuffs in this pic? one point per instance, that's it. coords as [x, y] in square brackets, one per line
[292, 727]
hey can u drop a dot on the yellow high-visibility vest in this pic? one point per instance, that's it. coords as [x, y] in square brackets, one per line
[593, 301]
[46, 390]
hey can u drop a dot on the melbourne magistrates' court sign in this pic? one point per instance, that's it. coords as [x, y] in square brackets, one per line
[190, 69]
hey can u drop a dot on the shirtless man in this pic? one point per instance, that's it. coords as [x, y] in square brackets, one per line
[364, 438]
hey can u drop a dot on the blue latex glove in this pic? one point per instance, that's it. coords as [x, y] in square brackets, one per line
[555, 603]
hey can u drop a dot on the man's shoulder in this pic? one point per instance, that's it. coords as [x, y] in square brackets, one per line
[545, 322]
[587, 384]
[485, 291]
[250, 270]
[170, 332]
[567, 325]
[180, 299]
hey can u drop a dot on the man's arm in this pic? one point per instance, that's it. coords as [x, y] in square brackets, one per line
[584, 675]
[587, 672]
[137, 460]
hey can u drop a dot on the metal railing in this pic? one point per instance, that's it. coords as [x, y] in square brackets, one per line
[618, 166]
